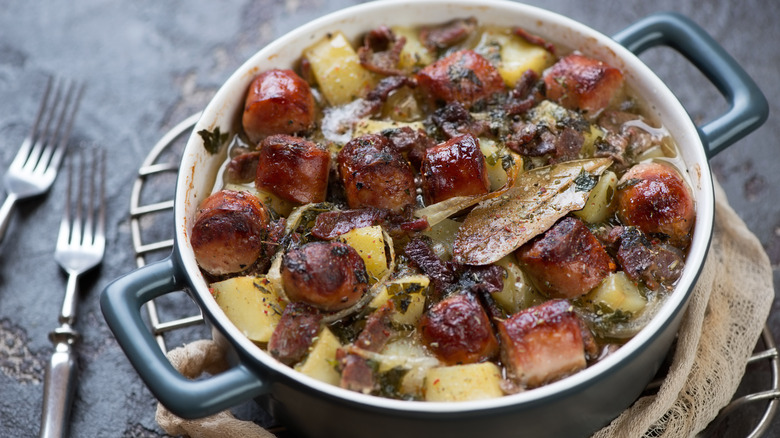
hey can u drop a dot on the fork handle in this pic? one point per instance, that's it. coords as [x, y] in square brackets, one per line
[60, 383]
[5, 213]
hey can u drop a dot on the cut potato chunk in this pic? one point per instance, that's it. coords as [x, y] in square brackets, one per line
[494, 159]
[598, 208]
[512, 55]
[517, 294]
[443, 236]
[414, 54]
[617, 293]
[369, 242]
[321, 361]
[463, 382]
[409, 296]
[252, 305]
[336, 66]
[277, 204]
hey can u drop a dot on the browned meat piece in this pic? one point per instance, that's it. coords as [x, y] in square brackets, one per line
[654, 198]
[458, 331]
[485, 279]
[454, 119]
[243, 168]
[381, 51]
[626, 132]
[442, 274]
[412, 142]
[650, 261]
[356, 373]
[293, 169]
[524, 96]
[295, 333]
[532, 140]
[566, 261]
[454, 168]
[328, 275]
[448, 34]
[374, 174]
[332, 224]
[278, 102]
[464, 77]
[534, 39]
[387, 85]
[229, 231]
[543, 343]
[579, 82]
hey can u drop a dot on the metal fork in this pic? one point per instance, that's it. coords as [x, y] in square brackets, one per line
[34, 168]
[80, 247]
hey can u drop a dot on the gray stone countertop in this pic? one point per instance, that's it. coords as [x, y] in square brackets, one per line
[150, 64]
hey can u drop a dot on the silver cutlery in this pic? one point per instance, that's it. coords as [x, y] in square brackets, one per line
[80, 247]
[34, 168]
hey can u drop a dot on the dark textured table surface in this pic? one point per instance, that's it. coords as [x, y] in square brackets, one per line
[149, 65]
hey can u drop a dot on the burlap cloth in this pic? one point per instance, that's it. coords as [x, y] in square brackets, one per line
[725, 316]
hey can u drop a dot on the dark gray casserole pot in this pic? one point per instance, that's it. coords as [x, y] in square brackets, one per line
[575, 406]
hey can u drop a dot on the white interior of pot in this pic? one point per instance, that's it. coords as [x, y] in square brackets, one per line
[198, 168]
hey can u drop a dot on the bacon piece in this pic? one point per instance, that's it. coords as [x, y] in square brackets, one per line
[381, 51]
[650, 261]
[447, 34]
[566, 261]
[523, 97]
[295, 333]
[654, 197]
[458, 331]
[454, 168]
[441, 273]
[411, 142]
[331, 224]
[356, 373]
[534, 39]
[454, 119]
[579, 82]
[293, 168]
[278, 102]
[374, 174]
[463, 76]
[229, 232]
[328, 275]
[543, 343]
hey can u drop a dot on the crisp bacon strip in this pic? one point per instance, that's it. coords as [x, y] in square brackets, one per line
[381, 51]
[356, 373]
[292, 337]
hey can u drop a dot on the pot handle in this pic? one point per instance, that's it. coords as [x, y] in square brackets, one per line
[748, 106]
[121, 302]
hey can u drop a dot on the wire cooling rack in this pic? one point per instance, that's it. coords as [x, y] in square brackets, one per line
[749, 414]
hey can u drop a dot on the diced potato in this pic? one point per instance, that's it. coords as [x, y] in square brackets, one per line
[279, 205]
[494, 160]
[443, 236]
[588, 145]
[517, 294]
[414, 54]
[320, 363]
[336, 66]
[463, 382]
[252, 305]
[369, 126]
[369, 242]
[512, 55]
[617, 293]
[409, 293]
[598, 208]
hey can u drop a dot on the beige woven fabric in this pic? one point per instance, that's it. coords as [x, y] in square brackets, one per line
[725, 316]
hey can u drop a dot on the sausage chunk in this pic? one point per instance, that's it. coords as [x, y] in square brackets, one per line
[374, 174]
[566, 261]
[293, 169]
[654, 198]
[295, 333]
[581, 83]
[454, 168]
[229, 232]
[464, 77]
[327, 275]
[543, 343]
[277, 102]
[653, 262]
[458, 331]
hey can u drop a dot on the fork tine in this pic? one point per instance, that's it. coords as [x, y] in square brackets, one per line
[59, 151]
[100, 230]
[43, 136]
[90, 204]
[24, 150]
[64, 236]
[75, 229]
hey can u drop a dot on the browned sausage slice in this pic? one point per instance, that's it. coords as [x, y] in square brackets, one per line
[464, 76]
[454, 168]
[277, 102]
[293, 168]
[579, 82]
